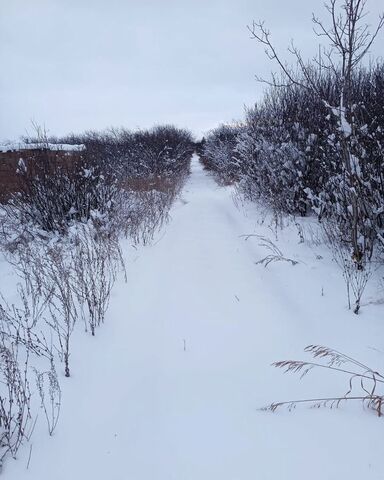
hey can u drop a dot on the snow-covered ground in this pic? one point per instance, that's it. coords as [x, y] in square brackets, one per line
[170, 388]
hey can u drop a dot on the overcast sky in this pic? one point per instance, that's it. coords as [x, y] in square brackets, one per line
[74, 65]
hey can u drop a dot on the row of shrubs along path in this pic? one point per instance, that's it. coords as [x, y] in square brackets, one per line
[170, 387]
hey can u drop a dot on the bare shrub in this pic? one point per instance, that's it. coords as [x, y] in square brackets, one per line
[218, 153]
[47, 383]
[56, 190]
[15, 397]
[144, 206]
[143, 213]
[21, 338]
[57, 276]
[18, 324]
[47, 274]
[95, 259]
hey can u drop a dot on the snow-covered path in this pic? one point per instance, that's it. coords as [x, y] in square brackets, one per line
[170, 387]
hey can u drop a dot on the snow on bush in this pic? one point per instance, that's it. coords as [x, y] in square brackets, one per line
[61, 232]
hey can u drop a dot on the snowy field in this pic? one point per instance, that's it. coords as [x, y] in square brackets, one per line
[171, 387]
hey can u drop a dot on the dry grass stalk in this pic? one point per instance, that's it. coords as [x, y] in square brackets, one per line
[276, 254]
[367, 379]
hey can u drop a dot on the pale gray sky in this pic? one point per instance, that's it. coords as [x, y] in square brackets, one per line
[74, 65]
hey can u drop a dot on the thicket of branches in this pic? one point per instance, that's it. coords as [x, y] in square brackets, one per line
[61, 232]
[115, 166]
[217, 152]
[287, 152]
[160, 151]
[315, 143]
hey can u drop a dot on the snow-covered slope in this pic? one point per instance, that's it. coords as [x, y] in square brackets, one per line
[171, 385]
